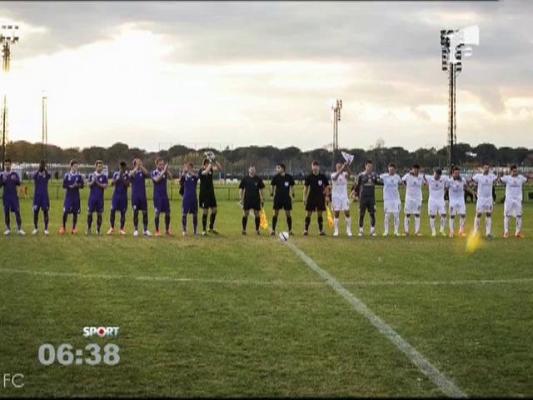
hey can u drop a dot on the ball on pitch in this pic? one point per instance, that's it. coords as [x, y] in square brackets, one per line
[283, 236]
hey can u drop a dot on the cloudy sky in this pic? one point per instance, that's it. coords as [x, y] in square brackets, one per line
[240, 73]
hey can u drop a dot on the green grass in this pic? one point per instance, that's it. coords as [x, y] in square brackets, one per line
[255, 321]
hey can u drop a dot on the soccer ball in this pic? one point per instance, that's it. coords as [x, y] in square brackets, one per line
[283, 236]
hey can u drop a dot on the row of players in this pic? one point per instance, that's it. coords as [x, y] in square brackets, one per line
[318, 194]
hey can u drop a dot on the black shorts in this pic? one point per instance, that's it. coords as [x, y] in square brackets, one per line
[282, 203]
[316, 204]
[367, 205]
[252, 204]
[207, 200]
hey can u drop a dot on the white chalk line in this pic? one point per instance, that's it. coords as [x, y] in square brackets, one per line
[243, 282]
[448, 387]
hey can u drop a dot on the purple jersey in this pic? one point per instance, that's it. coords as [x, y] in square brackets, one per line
[10, 181]
[190, 201]
[40, 196]
[138, 190]
[121, 180]
[96, 195]
[161, 202]
[72, 183]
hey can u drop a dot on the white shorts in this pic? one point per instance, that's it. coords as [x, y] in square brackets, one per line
[392, 206]
[484, 205]
[412, 206]
[436, 207]
[458, 208]
[512, 208]
[340, 203]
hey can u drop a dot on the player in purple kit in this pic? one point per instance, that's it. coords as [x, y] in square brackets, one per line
[188, 182]
[72, 183]
[120, 181]
[41, 200]
[138, 196]
[10, 181]
[160, 175]
[97, 184]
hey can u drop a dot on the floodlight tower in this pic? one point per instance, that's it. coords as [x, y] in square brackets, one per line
[8, 37]
[455, 44]
[336, 107]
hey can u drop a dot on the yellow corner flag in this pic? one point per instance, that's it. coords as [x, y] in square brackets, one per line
[264, 220]
[329, 215]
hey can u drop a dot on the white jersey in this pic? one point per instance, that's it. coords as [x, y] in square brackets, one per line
[513, 186]
[456, 190]
[339, 187]
[436, 188]
[484, 185]
[413, 187]
[390, 187]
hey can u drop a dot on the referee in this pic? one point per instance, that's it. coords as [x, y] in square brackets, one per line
[251, 198]
[316, 187]
[283, 193]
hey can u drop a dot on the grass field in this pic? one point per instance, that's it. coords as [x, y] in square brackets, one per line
[245, 316]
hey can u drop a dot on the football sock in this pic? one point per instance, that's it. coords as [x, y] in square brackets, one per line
[244, 222]
[184, 222]
[289, 223]
[452, 222]
[167, 222]
[18, 219]
[274, 222]
[506, 224]
[204, 221]
[98, 221]
[46, 219]
[212, 219]
[417, 223]
[336, 224]
[122, 219]
[488, 225]
[257, 222]
[372, 219]
[462, 220]
[307, 222]
[35, 218]
[194, 222]
[65, 216]
[432, 223]
[396, 222]
[442, 222]
[156, 221]
[348, 224]
[145, 220]
[321, 223]
[112, 219]
[136, 219]
[406, 223]
[518, 223]
[7, 219]
[477, 222]
[74, 220]
[89, 221]
[386, 222]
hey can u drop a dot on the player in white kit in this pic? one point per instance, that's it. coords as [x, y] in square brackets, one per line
[391, 199]
[339, 198]
[485, 202]
[436, 203]
[513, 201]
[456, 191]
[413, 198]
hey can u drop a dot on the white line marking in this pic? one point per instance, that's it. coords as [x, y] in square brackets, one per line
[262, 283]
[438, 378]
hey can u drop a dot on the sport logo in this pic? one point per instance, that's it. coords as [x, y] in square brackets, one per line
[102, 331]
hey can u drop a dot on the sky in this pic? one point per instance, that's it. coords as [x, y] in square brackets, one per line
[220, 74]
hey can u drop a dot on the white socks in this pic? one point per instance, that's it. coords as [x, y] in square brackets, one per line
[519, 224]
[506, 224]
[417, 224]
[386, 224]
[349, 226]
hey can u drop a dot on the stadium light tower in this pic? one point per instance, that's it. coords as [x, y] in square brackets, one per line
[336, 107]
[8, 37]
[455, 44]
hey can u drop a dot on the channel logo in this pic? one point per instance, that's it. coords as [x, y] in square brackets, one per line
[101, 331]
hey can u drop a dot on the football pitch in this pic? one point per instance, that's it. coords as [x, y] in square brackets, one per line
[230, 315]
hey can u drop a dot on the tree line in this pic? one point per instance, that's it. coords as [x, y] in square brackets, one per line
[236, 161]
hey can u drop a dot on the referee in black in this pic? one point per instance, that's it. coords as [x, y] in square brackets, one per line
[283, 193]
[251, 198]
[365, 191]
[316, 186]
[207, 197]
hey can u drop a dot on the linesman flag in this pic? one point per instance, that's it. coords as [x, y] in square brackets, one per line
[264, 220]
[347, 157]
[329, 216]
